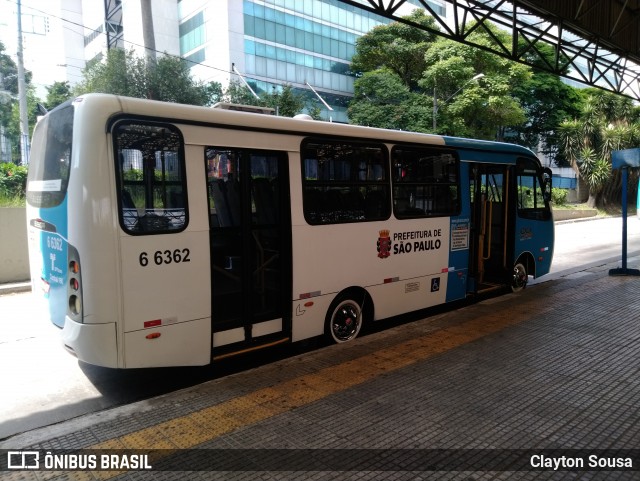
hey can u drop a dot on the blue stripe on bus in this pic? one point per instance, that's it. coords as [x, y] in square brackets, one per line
[459, 243]
[54, 248]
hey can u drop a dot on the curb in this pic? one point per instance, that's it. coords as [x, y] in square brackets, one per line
[15, 287]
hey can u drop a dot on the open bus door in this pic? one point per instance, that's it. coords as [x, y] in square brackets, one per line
[491, 225]
[250, 239]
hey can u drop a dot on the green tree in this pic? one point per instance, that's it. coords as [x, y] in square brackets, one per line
[407, 75]
[13, 180]
[237, 93]
[9, 109]
[57, 93]
[285, 100]
[13, 129]
[382, 99]
[485, 108]
[389, 63]
[109, 76]
[8, 86]
[169, 79]
[547, 101]
[397, 47]
[605, 123]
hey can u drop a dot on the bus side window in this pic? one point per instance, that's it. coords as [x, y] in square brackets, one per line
[344, 181]
[150, 176]
[375, 205]
[425, 182]
[532, 202]
[223, 185]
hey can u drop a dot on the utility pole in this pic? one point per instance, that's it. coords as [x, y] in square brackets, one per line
[148, 34]
[22, 96]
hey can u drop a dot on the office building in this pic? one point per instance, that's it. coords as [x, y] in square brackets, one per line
[307, 44]
[304, 43]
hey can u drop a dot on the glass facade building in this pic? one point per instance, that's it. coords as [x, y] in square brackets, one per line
[280, 42]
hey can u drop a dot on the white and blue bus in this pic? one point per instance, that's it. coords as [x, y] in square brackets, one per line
[170, 235]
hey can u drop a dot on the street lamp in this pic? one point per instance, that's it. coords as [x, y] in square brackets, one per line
[435, 101]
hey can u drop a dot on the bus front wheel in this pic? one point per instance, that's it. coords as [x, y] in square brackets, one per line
[344, 320]
[520, 277]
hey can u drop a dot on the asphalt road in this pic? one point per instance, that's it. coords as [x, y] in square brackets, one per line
[44, 385]
[585, 242]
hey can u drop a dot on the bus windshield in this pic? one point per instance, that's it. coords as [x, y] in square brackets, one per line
[49, 166]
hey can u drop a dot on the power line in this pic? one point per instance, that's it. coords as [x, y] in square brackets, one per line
[100, 32]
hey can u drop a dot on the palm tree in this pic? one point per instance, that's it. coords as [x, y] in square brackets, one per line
[588, 141]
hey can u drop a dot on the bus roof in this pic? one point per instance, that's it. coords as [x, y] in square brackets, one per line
[191, 114]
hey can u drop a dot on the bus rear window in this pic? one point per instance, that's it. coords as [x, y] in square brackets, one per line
[50, 158]
[151, 178]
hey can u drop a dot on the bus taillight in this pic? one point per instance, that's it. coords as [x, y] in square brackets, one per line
[75, 305]
[74, 289]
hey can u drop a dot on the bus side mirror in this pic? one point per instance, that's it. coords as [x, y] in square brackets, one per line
[546, 183]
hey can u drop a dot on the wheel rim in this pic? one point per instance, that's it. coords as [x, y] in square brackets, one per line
[520, 277]
[346, 321]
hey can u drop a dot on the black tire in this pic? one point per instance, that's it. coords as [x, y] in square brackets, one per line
[520, 277]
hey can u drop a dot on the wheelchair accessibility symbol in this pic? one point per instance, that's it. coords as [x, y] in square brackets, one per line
[435, 284]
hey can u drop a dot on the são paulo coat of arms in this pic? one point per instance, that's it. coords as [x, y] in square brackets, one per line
[384, 244]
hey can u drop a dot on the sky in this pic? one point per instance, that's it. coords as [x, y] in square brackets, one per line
[43, 47]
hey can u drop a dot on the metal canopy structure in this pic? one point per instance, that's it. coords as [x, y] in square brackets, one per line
[596, 42]
[113, 23]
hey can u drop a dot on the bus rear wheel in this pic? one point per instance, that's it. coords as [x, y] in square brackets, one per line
[520, 277]
[344, 320]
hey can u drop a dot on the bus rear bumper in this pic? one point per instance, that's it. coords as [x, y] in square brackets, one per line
[91, 343]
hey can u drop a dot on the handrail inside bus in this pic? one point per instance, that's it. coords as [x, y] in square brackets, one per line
[484, 227]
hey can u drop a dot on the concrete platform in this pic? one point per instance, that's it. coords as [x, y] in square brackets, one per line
[539, 385]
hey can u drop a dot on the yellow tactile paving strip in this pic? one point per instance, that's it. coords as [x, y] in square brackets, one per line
[206, 424]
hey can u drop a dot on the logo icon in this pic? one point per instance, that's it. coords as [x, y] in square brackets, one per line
[435, 284]
[384, 244]
[23, 459]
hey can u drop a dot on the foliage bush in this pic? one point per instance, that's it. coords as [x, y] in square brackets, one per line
[559, 196]
[13, 180]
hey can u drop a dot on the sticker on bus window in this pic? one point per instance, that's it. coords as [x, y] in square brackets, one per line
[45, 185]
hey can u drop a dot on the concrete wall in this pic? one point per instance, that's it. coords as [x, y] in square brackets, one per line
[14, 254]
[568, 214]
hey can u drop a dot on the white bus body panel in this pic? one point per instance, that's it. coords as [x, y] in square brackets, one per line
[414, 275]
[185, 344]
[408, 295]
[171, 293]
[308, 317]
[91, 231]
[92, 343]
[93, 214]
